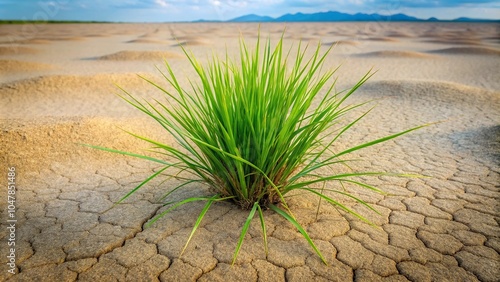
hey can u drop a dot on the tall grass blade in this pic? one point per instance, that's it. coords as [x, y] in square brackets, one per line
[299, 227]
[198, 220]
[244, 230]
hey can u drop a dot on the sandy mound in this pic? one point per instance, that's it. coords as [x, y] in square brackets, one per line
[396, 54]
[38, 143]
[16, 50]
[452, 33]
[71, 96]
[96, 35]
[303, 37]
[456, 41]
[35, 41]
[150, 38]
[9, 66]
[72, 82]
[188, 38]
[139, 55]
[468, 51]
[397, 34]
[492, 38]
[72, 38]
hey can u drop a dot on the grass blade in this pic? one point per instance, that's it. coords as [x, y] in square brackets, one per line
[244, 230]
[127, 154]
[299, 227]
[198, 220]
[264, 231]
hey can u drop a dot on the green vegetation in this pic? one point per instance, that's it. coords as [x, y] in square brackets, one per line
[249, 130]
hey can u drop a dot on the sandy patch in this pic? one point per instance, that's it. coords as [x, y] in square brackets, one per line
[92, 35]
[9, 66]
[468, 51]
[398, 34]
[144, 40]
[189, 38]
[138, 55]
[456, 41]
[396, 54]
[194, 42]
[444, 33]
[35, 41]
[71, 95]
[442, 91]
[16, 50]
[342, 42]
[72, 38]
[382, 39]
[304, 37]
[40, 142]
[492, 38]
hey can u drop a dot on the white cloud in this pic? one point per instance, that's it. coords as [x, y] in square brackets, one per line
[161, 3]
[216, 3]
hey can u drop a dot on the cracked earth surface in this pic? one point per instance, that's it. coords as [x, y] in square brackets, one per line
[443, 227]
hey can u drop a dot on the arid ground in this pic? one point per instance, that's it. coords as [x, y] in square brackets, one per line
[58, 89]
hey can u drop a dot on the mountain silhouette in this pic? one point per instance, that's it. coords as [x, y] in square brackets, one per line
[333, 16]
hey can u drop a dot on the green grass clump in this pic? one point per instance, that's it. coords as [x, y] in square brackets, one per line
[250, 131]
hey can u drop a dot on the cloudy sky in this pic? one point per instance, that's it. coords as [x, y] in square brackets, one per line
[189, 10]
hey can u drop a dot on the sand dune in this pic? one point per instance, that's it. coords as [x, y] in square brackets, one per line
[138, 55]
[468, 51]
[16, 50]
[396, 54]
[71, 95]
[9, 66]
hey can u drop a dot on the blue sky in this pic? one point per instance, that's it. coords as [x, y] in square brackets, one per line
[188, 10]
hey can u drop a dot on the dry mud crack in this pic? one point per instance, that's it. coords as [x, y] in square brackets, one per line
[444, 227]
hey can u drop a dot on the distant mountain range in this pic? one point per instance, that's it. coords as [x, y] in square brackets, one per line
[333, 16]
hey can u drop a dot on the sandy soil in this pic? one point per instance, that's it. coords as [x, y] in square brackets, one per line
[57, 91]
